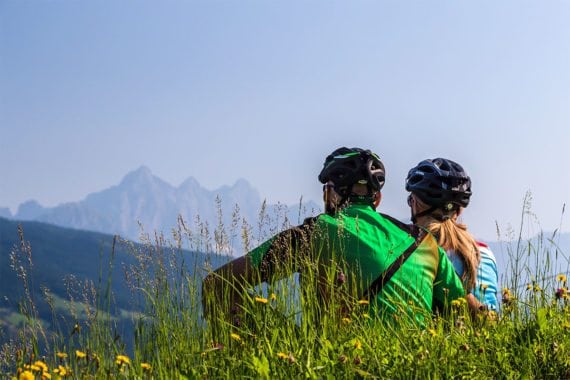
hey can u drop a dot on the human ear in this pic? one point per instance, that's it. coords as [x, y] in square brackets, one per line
[377, 199]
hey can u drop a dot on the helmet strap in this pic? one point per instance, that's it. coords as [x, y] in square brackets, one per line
[346, 196]
[422, 213]
[441, 218]
[331, 207]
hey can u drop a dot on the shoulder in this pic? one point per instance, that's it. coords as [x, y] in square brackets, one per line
[411, 229]
[304, 228]
[483, 246]
[485, 249]
[310, 220]
[290, 237]
[486, 253]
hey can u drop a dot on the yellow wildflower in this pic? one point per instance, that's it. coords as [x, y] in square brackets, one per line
[61, 371]
[46, 376]
[282, 355]
[363, 302]
[146, 366]
[432, 332]
[456, 303]
[261, 300]
[357, 344]
[484, 287]
[35, 368]
[346, 320]
[235, 336]
[122, 359]
[561, 278]
[61, 355]
[43, 366]
[80, 354]
[529, 287]
[26, 375]
[366, 315]
[273, 296]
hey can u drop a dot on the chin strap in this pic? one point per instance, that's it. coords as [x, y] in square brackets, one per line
[344, 193]
[425, 212]
[440, 218]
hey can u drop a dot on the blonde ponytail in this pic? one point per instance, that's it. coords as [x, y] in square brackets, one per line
[453, 236]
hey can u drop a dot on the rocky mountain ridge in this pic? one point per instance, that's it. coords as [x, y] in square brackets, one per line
[143, 201]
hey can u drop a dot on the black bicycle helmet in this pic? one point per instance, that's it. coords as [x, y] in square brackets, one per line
[440, 183]
[347, 166]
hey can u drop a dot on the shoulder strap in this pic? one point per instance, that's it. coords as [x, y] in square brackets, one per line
[376, 286]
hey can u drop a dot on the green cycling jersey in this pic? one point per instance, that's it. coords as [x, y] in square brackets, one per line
[364, 244]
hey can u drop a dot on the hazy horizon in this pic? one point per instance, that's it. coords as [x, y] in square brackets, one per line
[265, 90]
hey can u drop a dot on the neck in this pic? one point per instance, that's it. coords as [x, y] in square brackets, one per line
[422, 221]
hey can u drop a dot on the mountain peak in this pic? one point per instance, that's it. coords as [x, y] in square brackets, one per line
[242, 184]
[142, 174]
[29, 210]
[142, 170]
[191, 183]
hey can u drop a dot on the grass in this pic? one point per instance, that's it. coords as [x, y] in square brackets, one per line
[529, 339]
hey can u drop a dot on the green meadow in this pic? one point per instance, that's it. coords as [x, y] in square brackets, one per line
[282, 331]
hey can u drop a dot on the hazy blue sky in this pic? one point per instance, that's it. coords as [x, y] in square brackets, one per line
[264, 90]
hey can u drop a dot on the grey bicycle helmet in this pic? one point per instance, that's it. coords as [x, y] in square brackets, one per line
[440, 183]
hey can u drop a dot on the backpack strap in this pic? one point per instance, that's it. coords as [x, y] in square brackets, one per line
[376, 286]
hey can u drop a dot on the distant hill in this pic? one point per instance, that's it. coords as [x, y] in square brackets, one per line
[144, 198]
[540, 258]
[62, 260]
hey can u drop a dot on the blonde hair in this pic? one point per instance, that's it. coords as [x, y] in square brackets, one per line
[452, 235]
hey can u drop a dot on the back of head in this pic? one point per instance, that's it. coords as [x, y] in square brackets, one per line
[347, 167]
[440, 183]
[443, 187]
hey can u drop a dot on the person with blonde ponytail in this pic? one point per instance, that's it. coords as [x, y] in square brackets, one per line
[439, 191]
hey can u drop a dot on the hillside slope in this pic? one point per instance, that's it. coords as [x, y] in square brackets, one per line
[68, 263]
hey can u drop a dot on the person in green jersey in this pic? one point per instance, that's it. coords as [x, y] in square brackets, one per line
[398, 269]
